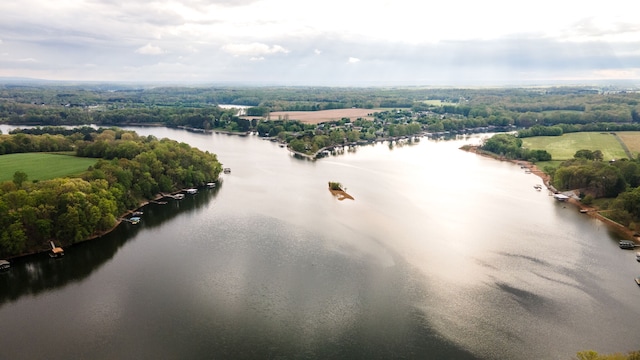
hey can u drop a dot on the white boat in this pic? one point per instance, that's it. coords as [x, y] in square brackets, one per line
[211, 185]
[227, 170]
[537, 187]
[191, 191]
[178, 196]
[134, 220]
[638, 256]
[4, 265]
[561, 197]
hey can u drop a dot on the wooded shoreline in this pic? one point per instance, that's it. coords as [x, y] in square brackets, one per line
[592, 211]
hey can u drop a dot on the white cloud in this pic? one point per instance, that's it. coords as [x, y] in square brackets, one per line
[150, 50]
[253, 49]
[446, 40]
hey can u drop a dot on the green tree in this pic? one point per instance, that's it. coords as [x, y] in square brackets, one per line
[19, 177]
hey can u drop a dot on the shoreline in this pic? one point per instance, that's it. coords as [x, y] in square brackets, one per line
[591, 211]
[100, 234]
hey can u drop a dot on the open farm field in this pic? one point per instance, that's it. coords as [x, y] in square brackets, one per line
[316, 117]
[42, 166]
[436, 102]
[565, 146]
[632, 140]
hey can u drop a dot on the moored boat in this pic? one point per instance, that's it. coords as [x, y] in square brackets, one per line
[638, 280]
[626, 244]
[4, 265]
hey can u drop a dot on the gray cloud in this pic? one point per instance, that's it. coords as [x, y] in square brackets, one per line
[138, 40]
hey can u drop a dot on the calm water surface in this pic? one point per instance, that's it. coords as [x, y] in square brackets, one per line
[442, 255]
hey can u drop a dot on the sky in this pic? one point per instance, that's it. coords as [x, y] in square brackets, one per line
[328, 42]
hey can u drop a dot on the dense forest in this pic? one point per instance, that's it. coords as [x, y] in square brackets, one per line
[112, 104]
[130, 169]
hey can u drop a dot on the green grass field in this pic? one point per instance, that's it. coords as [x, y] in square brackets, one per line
[565, 146]
[42, 166]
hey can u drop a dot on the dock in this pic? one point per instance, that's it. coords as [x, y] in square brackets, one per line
[56, 251]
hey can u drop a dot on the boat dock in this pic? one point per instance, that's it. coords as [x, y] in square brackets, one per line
[56, 251]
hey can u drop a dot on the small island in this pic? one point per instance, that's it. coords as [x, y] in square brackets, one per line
[338, 191]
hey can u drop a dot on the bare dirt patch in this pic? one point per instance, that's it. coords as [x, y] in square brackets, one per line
[316, 117]
[341, 195]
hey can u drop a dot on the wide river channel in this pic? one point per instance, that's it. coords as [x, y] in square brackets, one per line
[442, 254]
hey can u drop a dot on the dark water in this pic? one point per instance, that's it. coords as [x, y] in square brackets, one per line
[442, 255]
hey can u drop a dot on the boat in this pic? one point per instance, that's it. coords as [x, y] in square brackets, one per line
[584, 211]
[56, 251]
[134, 220]
[626, 244]
[4, 265]
[226, 170]
[137, 213]
[178, 196]
[638, 256]
[638, 280]
[191, 191]
[211, 185]
[560, 197]
[537, 187]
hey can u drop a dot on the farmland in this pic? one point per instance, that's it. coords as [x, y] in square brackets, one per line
[565, 146]
[42, 166]
[316, 117]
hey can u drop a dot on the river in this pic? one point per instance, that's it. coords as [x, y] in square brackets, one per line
[442, 254]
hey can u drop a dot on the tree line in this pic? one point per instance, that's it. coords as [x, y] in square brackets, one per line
[131, 169]
[197, 107]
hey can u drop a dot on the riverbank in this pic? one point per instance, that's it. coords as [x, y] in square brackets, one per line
[592, 211]
[98, 234]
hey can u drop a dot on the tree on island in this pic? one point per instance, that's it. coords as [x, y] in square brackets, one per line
[333, 185]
